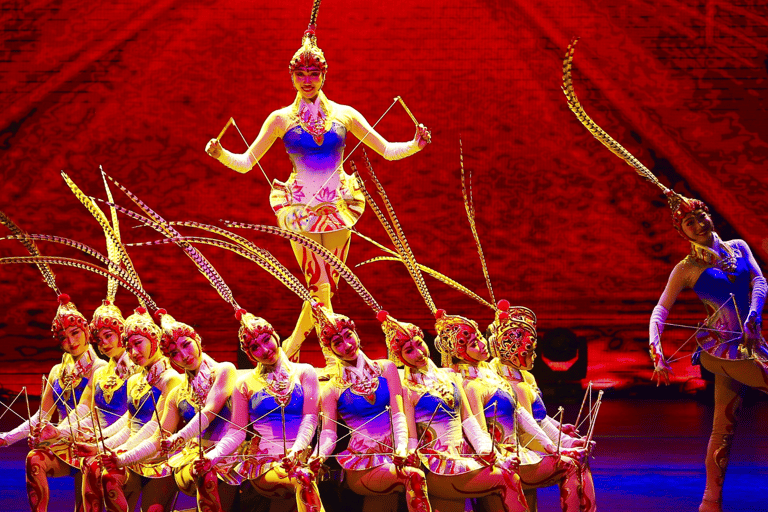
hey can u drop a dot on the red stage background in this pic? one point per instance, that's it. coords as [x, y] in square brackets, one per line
[568, 229]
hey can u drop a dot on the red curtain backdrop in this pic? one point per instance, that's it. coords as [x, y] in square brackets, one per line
[568, 229]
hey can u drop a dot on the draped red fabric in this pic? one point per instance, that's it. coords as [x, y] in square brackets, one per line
[568, 229]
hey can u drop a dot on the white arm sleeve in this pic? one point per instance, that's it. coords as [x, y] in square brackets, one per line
[147, 430]
[192, 428]
[552, 430]
[328, 438]
[759, 291]
[529, 425]
[401, 431]
[306, 431]
[22, 431]
[118, 438]
[400, 150]
[655, 328]
[117, 426]
[479, 438]
[142, 451]
[228, 444]
[241, 163]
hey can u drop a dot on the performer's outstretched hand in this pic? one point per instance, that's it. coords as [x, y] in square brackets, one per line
[3, 442]
[423, 136]
[661, 372]
[213, 148]
[570, 430]
[752, 327]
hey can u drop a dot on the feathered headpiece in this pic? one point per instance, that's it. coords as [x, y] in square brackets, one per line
[67, 315]
[397, 334]
[330, 324]
[108, 315]
[511, 326]
[173, 330]
[251, 327]
[679, 204]
[310, 55]
[452, 334]
[140, 323]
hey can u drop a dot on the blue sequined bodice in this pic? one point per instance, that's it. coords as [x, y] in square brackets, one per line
[67, 398]
[307, 156]
[265, 413]
[110, 411]
[355, 409]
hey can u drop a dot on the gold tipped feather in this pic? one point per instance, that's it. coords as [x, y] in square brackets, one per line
[605, 139]
[21, 235]
[469, 206]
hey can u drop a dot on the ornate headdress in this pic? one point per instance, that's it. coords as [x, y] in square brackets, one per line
[309, 55]
[67, 315]
[251, 327]
[397, 334]
[679, 204]
[452, 333]
[173, 330]
[140, 323]
[330, 324]
[512, 331]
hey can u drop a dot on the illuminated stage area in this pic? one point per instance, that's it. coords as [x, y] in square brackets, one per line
[648, 458]
[577, 242]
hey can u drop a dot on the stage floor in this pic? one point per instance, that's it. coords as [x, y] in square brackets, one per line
[649, 457]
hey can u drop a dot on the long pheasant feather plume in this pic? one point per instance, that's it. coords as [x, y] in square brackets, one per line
[330, 258]
[241, 240]
[379, 214]
[112, 250]
[113, 238]
[432, 272]
[113, 266]
[278, 271]
[202, 264]
[437, 275]
[313, 15]
[594, 129]
[469, 206]
[407, 253]
[21, 235]
[84, 265]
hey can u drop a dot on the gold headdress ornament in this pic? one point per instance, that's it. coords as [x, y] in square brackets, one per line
[507, 319]
[397, 334]
[140, 323]
[310, 55]
[679, 204]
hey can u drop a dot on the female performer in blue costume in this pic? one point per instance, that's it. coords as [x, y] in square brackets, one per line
[279, 402]
[105, 400]
[725, 276]
[125, 479]
[319, 199]
[197, 411]
[439, 417]
[367, 396]
[66, 384]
